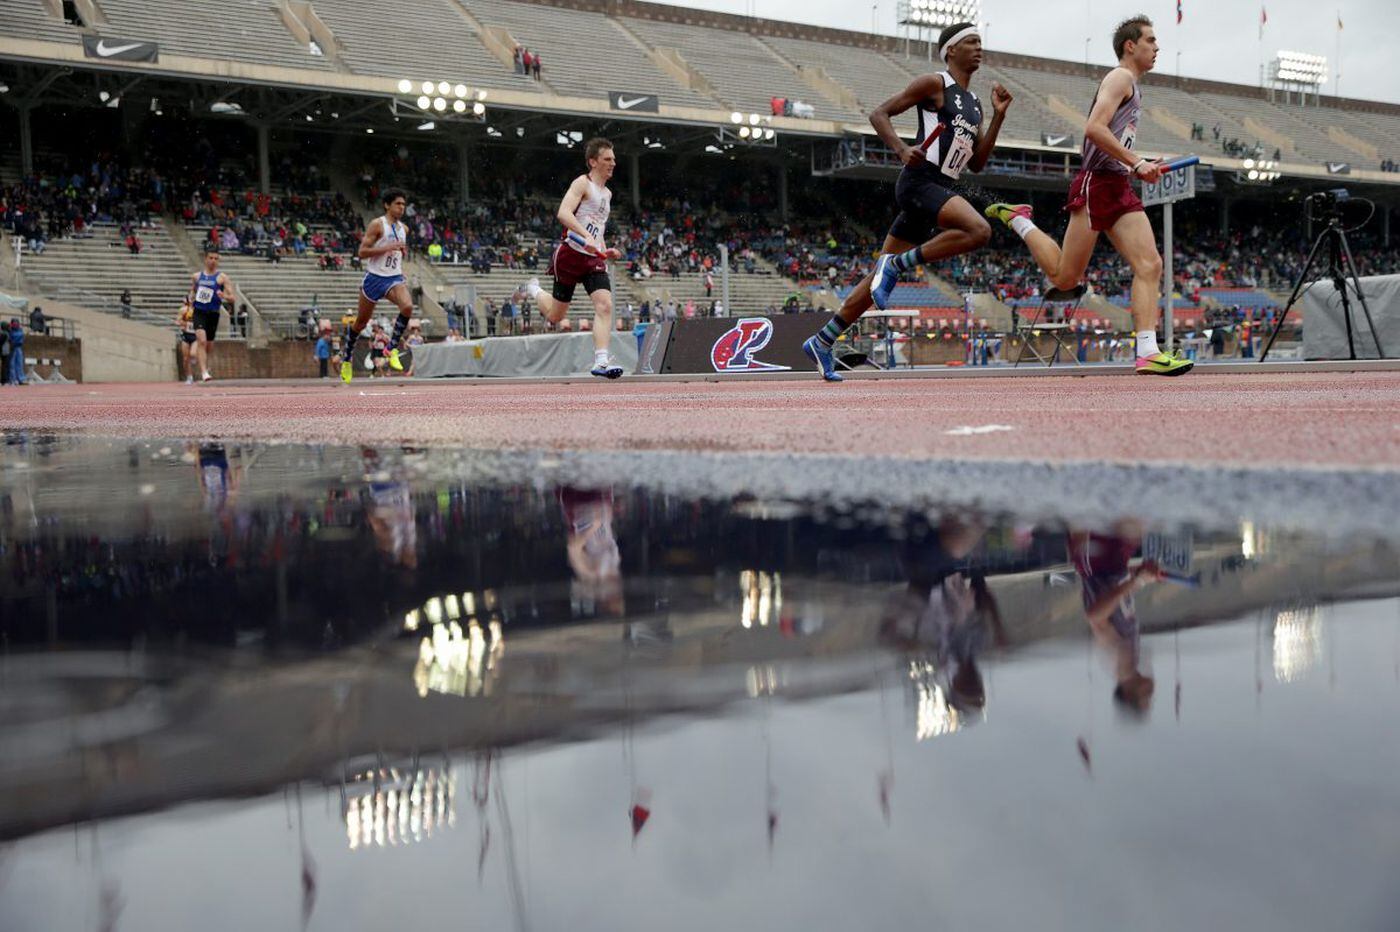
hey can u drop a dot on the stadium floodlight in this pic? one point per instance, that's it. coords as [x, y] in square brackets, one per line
[439, 104]
[1301, 68]
[427, 87]
[369, 130]
[479, 108]
[459, 106]
[481, 95]
[405, 86]
[424, 103]
[460, 91]
[769, 133]
[443, 88]
[743, 132]
[736, 117]
[938, 13]
[4, 88]
[753, 119]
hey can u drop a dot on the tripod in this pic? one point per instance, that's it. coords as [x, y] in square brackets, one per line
[1341, 268]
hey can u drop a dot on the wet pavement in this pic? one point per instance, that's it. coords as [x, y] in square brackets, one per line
[281, 686]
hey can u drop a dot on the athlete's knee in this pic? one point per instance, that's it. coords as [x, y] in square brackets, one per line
[1148, 266]
[1064, 279]
[979, 232]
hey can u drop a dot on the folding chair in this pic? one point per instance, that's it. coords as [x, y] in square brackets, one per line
[1050, 317]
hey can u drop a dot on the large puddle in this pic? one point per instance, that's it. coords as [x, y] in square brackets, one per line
[282, 687]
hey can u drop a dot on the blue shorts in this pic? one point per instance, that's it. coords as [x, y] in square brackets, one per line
[375, 287]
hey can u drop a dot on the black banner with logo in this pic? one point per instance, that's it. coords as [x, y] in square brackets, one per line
[1057, 140]
[734, 345]
[634, 103]
[110, 49]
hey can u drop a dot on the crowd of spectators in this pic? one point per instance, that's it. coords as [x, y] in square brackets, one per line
[1390, 165]
[527, 62]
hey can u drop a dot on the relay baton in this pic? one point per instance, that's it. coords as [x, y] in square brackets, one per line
[1180, 162]
[1191, 582]
[928, 140]
[583, 244]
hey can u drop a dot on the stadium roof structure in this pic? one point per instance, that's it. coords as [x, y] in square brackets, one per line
[691, 78]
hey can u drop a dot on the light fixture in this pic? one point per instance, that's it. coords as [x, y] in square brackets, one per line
[4, 88]
[479, 108]
[405, 86]
[480, 95]
[369, 130]
[753, 119]
[460, 91]
[444, 88]
[736, 117]
[426, 87]
[1249, 163]
[459, 106]
[769, 133]
[1253, 175]
[439, 104]
[424, 103]
[743, 132]
[103, 96]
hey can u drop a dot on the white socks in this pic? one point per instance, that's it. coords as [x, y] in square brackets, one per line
[1021, 226]
[600, 357]
[1147, 343]
[532, 288]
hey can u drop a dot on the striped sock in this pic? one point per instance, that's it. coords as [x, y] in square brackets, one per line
[907, 260]
[347, 343]
[400, 325]
[833, 329]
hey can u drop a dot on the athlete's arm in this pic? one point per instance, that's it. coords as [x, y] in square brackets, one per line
[1116, 88]
[194, 278]
[225, 289]
[569, 206]
[928, 87]
[986, 141]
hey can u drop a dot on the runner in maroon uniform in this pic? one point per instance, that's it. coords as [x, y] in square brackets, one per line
[1101, 198]
[582, 258]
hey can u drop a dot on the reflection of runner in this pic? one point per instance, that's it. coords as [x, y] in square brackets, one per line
[218, 482]
[184, 323]
[947, 613]
[592, 548]
[390, 513]
[1102, 562]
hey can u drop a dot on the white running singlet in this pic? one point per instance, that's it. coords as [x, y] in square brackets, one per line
[593, 213]
[388, 264]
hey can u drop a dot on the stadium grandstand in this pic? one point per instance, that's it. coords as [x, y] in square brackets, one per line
[134, 136]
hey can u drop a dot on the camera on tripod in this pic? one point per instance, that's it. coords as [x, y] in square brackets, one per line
[1326, 205]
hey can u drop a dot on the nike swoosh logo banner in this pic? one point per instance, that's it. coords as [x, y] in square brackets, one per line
[1055, 139]
[119, 49]
[636, 103]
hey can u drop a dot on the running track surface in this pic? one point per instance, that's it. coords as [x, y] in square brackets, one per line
[1263, 421]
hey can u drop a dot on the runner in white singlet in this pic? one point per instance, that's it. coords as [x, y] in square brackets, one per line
[384, 249]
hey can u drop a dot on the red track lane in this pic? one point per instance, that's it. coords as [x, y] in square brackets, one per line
[1296, 419]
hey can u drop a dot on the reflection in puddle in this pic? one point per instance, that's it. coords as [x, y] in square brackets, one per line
[369, 671]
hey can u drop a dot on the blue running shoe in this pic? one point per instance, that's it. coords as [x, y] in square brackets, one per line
[886, 277]
[820, 354]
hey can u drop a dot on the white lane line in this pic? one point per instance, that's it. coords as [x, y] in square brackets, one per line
[983, 429]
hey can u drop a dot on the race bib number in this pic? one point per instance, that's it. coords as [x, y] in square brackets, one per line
[391, 261]
[1129, 135]
[959, 154]
[594, 231]
[203, 294]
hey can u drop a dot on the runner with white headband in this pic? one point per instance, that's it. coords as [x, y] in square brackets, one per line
[950, 141]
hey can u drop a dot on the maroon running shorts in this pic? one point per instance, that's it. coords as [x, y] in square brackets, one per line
[1108, 196]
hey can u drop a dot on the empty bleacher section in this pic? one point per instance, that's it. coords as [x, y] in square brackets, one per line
[416, 39]
[35, 19]
[95, 269]
[584, 54]
[240, 30]
[744, 73]
[871, 76]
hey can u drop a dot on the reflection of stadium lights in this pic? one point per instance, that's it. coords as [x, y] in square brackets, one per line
[1297, 643]
[459, 91]
[405, 86]
[427, 87]
[479, 108]
[439, 104]
[459, 106]
[424, 103]
[736, 117]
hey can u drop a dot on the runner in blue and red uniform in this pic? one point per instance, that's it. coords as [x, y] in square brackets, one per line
[1101, 198]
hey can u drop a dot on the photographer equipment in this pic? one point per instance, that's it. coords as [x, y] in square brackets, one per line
[1326, 207]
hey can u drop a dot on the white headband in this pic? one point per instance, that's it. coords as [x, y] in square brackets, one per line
[954, 39]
